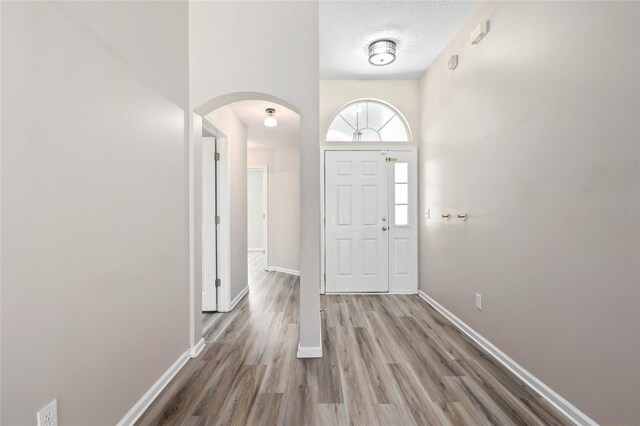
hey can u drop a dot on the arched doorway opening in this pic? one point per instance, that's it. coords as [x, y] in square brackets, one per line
[225, 133]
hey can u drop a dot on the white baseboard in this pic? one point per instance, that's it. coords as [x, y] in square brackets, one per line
[239, 297]
[309, 352]
[564, 406]
[195, 351]
[143, 403]
[369, 293]
[255, 249]
[283, 270]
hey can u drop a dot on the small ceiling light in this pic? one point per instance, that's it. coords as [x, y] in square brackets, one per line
[382, 52]
[270, 120]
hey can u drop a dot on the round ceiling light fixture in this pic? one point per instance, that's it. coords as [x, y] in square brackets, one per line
[270, 120]
[382, 52]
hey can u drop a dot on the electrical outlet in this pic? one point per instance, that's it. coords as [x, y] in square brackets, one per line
[479, 301]
[48, 415]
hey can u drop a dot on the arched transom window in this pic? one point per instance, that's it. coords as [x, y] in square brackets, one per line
[368, 121]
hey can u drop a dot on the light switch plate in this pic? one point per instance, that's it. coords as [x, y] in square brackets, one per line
[479, 301]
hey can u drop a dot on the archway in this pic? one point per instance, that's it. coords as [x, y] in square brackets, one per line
[201, 129]
[230, 98]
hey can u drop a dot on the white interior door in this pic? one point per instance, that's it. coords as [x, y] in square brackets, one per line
[255, 210]
[356, 212]
[209, 249]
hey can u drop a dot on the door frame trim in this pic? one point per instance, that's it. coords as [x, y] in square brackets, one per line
[350, 147]
[223, 230]
[208, 133]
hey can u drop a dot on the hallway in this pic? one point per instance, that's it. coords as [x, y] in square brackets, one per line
[391, 212]
[214, 322]
[387, 360]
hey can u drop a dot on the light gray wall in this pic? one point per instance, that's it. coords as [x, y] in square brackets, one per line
[536, 136]
[95, 292]
[273, 53]
[255, 210]
[284, 203]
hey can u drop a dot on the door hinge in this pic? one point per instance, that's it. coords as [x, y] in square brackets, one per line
[216, 156]
[217, 220]
[389, 159]
[217, 282]
[325, 221]
[325, 278]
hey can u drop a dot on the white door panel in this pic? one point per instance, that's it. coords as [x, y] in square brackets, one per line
[403, 223]
[356, 205]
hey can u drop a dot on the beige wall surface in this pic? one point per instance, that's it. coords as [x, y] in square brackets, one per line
[536, 136]
[260, 47]
[284, 203]
[404, 95]
[95, 293]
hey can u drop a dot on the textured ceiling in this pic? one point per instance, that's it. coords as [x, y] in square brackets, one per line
[421, 29]
[252, 114]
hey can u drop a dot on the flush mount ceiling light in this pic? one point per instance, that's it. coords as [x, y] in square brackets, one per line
[270, 120]
[382, 52]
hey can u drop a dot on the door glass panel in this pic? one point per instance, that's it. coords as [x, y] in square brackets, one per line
[366, 134]
[401, 173]
[340, 130]
[394, 130]
[351, 114]
[402, 215]
[370, 121]
[402, 193]
[378, 115]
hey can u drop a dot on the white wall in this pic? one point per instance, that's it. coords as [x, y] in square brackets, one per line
[255, 210]
[284, 203]
[236, 140]
[536, 136]
[273, 54]
[404, 95]
[94, 259]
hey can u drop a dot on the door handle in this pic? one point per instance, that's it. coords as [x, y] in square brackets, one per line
[384, 228]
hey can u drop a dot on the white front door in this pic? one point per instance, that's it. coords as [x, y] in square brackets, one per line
[356, 205]
[209, 249]
[371, 221]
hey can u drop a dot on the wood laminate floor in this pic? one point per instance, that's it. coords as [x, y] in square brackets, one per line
[388, 360]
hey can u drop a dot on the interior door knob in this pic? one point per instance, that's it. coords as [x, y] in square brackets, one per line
[384, 228]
